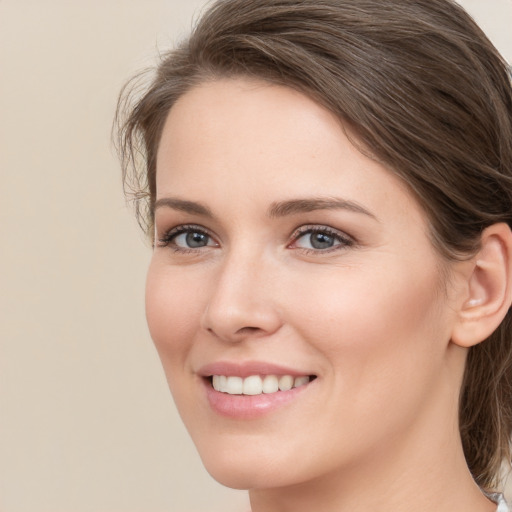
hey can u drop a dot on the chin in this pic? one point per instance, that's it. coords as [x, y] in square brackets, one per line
[247, 478]
[236, 468]
[234, 471]
[243, 469]
[234, 479]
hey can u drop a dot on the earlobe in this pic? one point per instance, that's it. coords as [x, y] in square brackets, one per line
[489, 288]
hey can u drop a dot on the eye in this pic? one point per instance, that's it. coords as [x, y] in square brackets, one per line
[320, 239]
[192, 240]
[185, 238]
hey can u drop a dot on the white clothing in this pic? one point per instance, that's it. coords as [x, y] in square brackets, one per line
[500, 500]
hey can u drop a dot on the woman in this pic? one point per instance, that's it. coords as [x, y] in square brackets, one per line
[328, 186]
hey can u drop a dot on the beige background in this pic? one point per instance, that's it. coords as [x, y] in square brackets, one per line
[86, 421]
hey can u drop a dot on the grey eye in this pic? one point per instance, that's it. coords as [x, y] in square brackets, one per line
[192, 240]
[318, 240]
[321, 240]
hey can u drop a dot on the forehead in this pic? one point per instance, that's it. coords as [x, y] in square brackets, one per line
[259, 139]
[228, 109]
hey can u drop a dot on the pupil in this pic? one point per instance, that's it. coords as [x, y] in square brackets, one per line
[321, 241]
[196, 239]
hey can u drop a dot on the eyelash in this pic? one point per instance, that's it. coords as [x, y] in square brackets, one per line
[343, 239]
[168, 238]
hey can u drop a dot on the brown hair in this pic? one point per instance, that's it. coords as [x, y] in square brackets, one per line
[426, 94]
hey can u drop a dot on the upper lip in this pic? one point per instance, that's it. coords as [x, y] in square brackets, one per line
[248, 368]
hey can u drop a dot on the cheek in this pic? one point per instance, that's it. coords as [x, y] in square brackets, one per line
[382, 338]
[172, 312]
[387, 298]
[375, 325]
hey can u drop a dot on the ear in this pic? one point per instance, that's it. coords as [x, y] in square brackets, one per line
[488, 294]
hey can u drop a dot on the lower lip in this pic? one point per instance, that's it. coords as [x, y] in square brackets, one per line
[250, 406]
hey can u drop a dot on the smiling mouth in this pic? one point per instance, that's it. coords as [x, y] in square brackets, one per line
[256, 384]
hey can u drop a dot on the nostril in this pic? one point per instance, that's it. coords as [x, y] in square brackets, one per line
[248, 330]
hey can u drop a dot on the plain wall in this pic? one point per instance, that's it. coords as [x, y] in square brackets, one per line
[86, 421]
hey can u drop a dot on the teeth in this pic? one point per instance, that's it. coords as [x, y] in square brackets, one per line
[300, 381]
[285, 383]
[256, 385]
[253, 385]
[270, 384]
[235, 385]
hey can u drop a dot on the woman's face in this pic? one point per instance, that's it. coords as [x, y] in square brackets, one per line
[284, 257]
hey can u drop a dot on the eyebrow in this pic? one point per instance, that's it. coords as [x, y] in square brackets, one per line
[184, 206]
[295, 206]
[277, 209]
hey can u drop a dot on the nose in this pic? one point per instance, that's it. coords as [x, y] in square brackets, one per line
[242, 302]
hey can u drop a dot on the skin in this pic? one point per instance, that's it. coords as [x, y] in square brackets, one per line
[371, 317]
